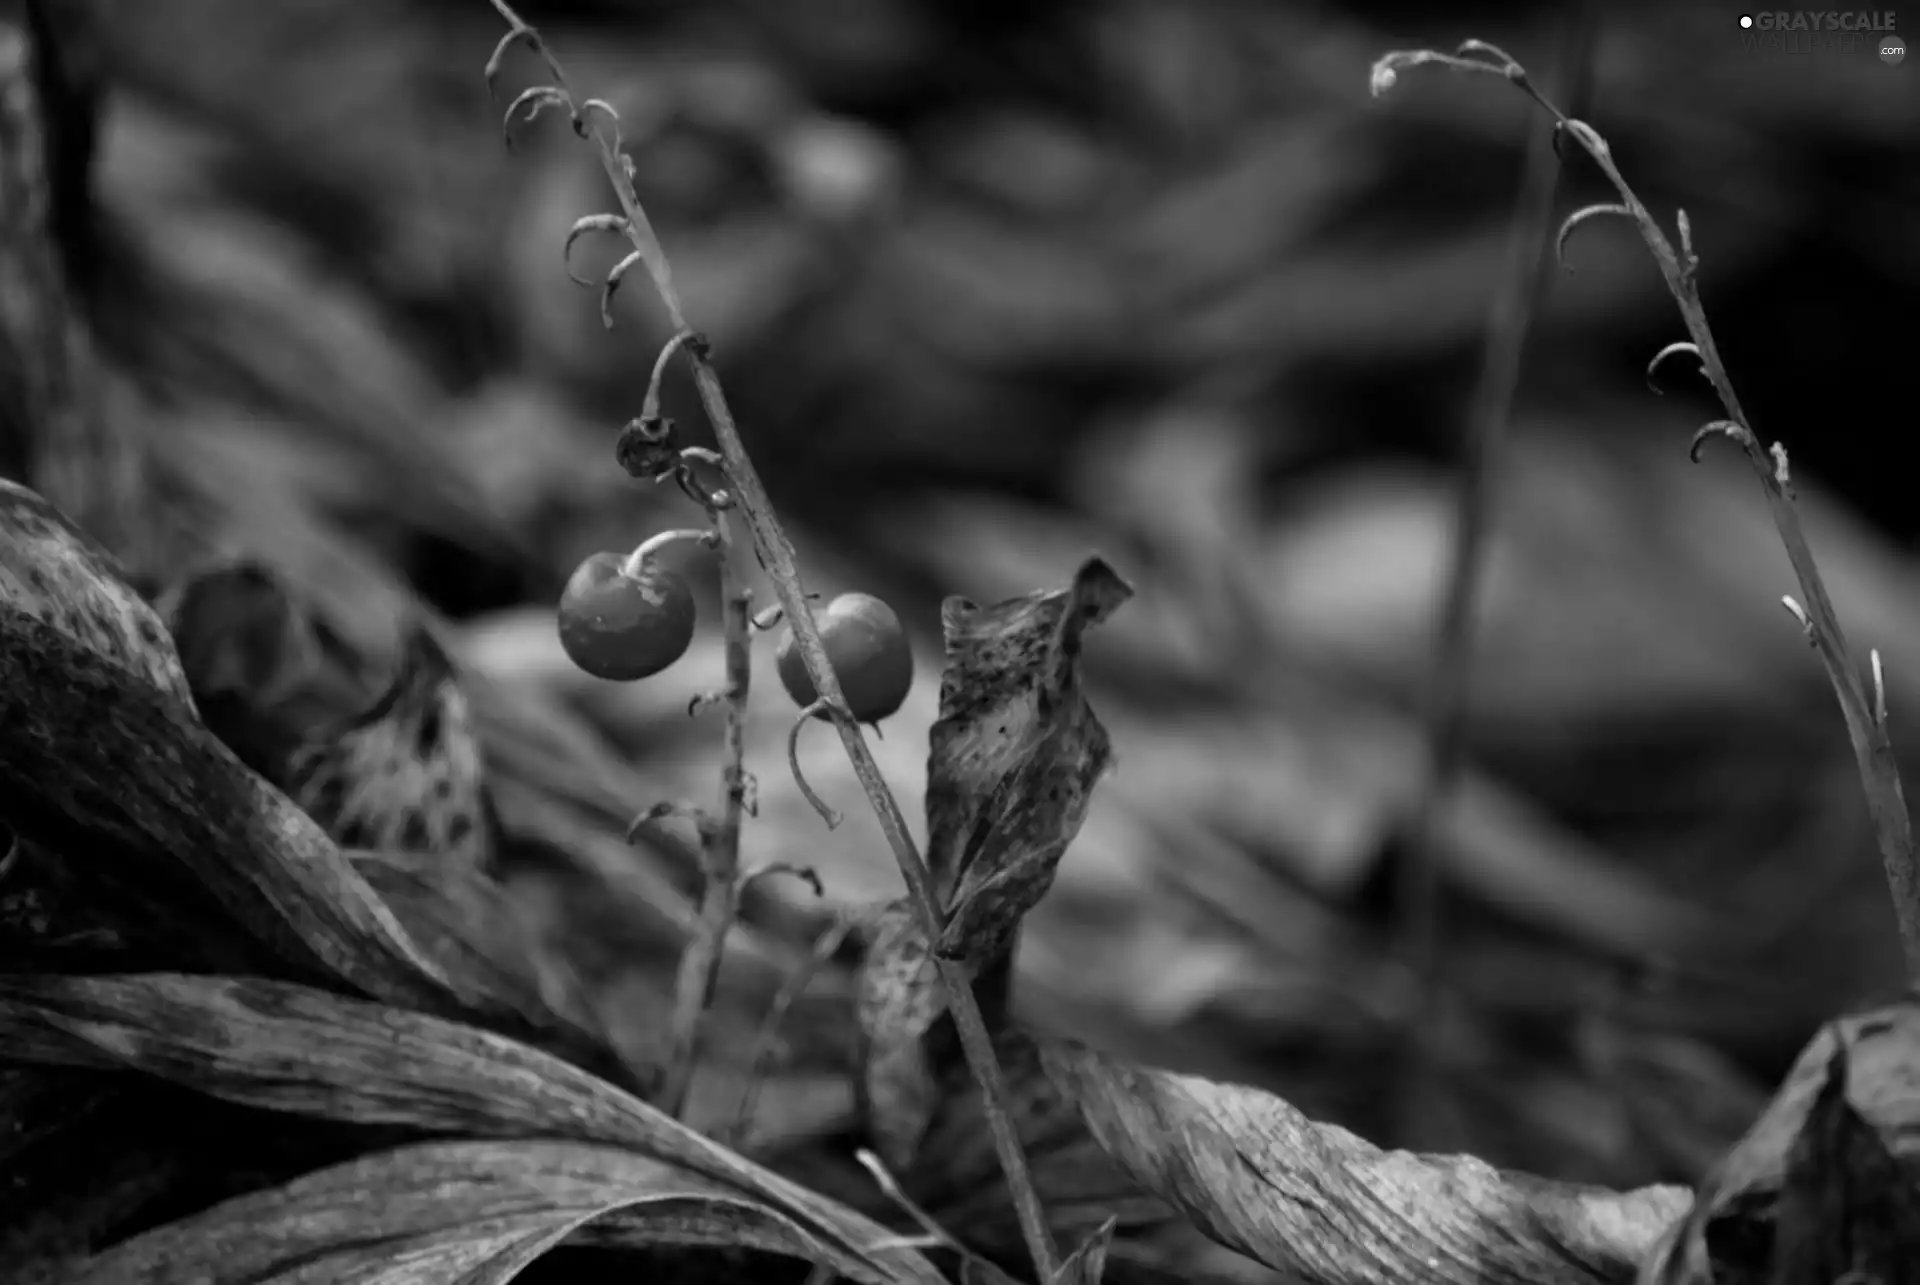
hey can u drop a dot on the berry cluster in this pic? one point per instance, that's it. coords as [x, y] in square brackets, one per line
[628, 618]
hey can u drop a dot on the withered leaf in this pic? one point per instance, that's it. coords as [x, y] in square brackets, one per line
[406, 774]
[1848, 1206]
[900, 998]
[1014, 755]
[57, 574]
[282, 1047]
[104, 761]
[464, 1213]
[1836, 1140]
[1325, 1205]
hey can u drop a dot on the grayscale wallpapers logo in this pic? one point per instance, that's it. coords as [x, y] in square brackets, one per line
[1800, 32]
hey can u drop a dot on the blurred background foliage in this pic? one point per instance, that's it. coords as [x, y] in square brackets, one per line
[994, 284]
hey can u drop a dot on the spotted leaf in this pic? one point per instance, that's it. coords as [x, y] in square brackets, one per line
[407, 774]
[1014, 755]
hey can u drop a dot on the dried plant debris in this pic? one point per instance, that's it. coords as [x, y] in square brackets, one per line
[367, 1064]
[103, 762]
[1823, 1186]
[1316, 1201]
[406, 774]
[1011, 765]
[1014, 756]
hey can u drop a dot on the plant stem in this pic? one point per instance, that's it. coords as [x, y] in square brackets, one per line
[654, 543]
[777, 557]
[776, 552]
[1450, 675]
[1865, 715]
[719, 842]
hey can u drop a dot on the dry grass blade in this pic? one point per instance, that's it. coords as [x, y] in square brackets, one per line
[459, 1213]
[1319, 1202]
[1088, 1264]
[290, 1048]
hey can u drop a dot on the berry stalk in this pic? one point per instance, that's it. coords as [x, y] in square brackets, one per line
[776, 555]
[699, 972]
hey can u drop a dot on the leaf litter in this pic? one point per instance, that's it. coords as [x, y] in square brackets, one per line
[351, 575]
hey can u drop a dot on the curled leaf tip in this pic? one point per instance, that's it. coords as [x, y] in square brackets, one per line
[497, 60]
[532, 102]
[614, 278]
[1718, 428]
[615, 223]
[1385, 73]
[1578, 217]
[1672, 350]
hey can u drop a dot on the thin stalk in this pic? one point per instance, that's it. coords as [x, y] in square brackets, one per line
[699, 973]
[776, 556]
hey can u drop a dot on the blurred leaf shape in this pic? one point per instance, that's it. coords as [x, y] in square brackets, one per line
[1320, 1202]
[899, 999]
[469, 924]
[1014, 756]
[254, 660]
[291, 1048]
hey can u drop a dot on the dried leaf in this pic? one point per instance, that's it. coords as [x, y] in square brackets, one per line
[101, 755]
[1087, 1264]
[466, 1213]
[406, 774]
[1317, 1201]
[1848, 1206]
[1014, 756]
[57, 574]
[1837, 1138]
[291, 1048]
[900, 998]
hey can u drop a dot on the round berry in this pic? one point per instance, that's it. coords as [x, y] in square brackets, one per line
[867, 647]
[622, 624]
